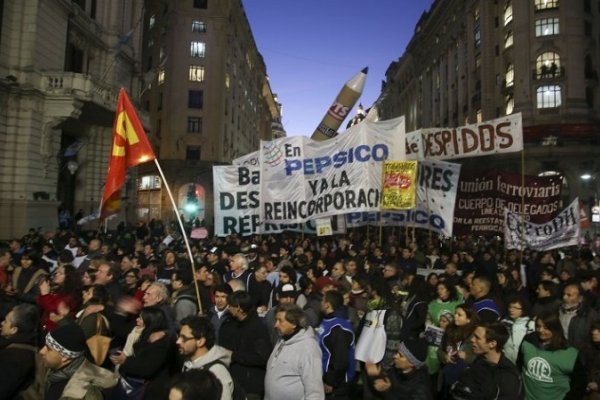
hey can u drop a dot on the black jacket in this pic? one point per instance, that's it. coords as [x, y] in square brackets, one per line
[17, 365]
[415, 385]
[500, 381]
[153, 362]
[251, 347]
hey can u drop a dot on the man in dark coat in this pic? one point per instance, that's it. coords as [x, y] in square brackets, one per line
[492, 375]
[247, 338]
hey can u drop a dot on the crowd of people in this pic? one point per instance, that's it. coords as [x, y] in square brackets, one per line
[405, 315]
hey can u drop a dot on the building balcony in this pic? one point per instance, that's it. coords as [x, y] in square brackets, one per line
[83, 87]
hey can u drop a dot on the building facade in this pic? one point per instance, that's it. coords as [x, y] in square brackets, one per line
[474, 60]
[209, 100]
[61, 65]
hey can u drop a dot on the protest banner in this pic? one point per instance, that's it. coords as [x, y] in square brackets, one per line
[482, 197]
[437, 182]
[560, 232]
[303, 179]
[399, 185]
[236, 204]
[502, 135]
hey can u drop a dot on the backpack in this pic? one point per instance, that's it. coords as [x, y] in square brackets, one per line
[37, 387]
[238, 390]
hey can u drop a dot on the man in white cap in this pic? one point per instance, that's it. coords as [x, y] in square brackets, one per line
[71, 375]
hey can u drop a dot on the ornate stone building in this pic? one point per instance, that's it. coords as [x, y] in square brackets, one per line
[61, 65]
[208, 96]
[473, 60]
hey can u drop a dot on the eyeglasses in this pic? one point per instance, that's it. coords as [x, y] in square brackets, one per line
[184, 338]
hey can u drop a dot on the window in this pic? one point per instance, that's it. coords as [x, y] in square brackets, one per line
[546, 4]
[477, 37]
[548, 96]
[152, 21]
[509, 104]
[509, 76]
[192, 153]
[161, 76]
[162, 54]
[227, 80]
[508, 39]
[197, 73]
[547, 65]
[546, 27]
[197, 49]
[508, 13]
[195, 98]
[200, 3]
[199, 26]
[149, 182]
[194, 125]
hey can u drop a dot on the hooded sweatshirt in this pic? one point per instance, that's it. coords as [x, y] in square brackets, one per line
[294, 369]
[222, 355]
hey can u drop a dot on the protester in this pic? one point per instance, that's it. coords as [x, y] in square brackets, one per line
[18, 348]
[70, 374]
[196, 384]
[336, 340]
[61, 298]
[144, 362]
[247, 338]
[408, 379]
[294, 368]
[550, 368]
[519, 324]
[196, 342]
[491, 375]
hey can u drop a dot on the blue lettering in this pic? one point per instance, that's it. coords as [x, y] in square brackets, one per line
[361, 153]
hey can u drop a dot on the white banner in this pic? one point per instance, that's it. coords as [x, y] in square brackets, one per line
[236, 204]
[502, 135]
[560, 232]
[302, 179]
[436, 194]
[249, 160]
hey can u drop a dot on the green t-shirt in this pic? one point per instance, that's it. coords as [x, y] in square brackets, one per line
[436, 308]
[546, 373]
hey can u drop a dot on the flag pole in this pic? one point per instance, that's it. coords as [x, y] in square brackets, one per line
[185, 239]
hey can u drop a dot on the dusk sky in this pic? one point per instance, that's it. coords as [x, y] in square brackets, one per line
[312, 47]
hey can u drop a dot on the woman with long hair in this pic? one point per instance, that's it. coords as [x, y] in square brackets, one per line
[456, 352]
[550, 368]
[145, 359]
[166, 268]
[93, 312]
[445, 302]
[61, 297]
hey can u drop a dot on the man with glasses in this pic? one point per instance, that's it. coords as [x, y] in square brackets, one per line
[196, 342]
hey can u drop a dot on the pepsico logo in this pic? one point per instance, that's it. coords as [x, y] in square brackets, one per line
[272, 154]
[397, 181]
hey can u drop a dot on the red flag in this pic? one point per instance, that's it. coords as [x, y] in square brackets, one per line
[130, 147]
